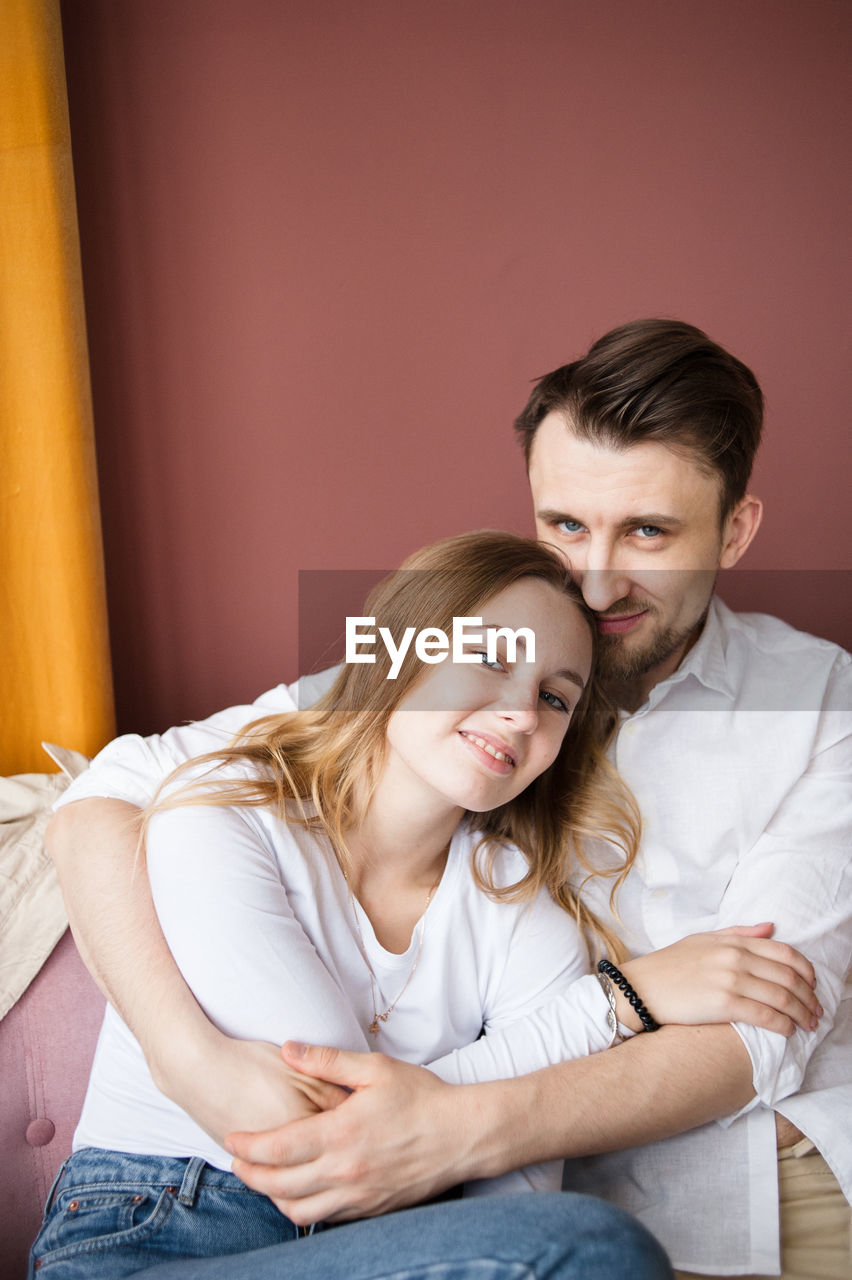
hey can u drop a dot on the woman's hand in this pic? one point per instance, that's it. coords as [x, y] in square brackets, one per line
[729, 975]
[245, 1085]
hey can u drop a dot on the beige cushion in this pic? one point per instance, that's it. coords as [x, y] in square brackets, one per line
[32, 914]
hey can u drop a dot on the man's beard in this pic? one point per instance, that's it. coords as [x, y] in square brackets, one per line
[619, 665]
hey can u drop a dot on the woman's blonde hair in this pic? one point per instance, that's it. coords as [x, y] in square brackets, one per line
[331, 753]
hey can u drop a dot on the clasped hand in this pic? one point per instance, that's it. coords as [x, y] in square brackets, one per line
[382, 1149]
[386, 1146]
[729, 975]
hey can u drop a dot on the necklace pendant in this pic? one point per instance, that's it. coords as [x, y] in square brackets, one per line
[374, 1027]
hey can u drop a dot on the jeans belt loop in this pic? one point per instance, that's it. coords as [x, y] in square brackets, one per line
[51, 1195]
[191, 1179]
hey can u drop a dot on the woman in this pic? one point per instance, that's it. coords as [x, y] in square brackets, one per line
[390, 868]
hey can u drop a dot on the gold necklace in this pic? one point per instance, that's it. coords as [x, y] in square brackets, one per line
[378, 1017]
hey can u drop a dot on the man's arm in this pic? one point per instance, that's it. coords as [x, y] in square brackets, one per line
[94, 847]
[400, 1138]
[105, 885]
[94, 843]
[404, 1135]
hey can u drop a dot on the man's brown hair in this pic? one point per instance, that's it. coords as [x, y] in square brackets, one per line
[658, 380]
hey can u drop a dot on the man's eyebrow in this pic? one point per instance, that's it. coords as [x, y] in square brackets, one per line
[657, 518]
[552, 515]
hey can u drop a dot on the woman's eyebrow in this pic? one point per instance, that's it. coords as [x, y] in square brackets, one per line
[568, 674]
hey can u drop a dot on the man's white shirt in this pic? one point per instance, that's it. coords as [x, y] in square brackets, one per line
[742, 766]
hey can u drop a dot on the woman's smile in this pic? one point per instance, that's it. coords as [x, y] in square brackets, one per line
[493, 753]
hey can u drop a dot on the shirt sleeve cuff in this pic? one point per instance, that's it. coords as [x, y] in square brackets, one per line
[778, 1067]
[125, 770]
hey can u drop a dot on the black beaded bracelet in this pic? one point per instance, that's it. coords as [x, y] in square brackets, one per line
[616, 976]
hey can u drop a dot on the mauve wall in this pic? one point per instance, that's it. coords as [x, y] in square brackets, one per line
[327, 246]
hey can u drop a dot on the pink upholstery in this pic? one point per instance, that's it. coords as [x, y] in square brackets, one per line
[46, 1044]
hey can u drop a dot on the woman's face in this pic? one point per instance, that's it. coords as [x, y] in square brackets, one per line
[476, 735]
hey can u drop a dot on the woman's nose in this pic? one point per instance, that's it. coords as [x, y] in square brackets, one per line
[520, 709]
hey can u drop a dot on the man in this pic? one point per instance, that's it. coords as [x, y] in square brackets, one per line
[735, 735]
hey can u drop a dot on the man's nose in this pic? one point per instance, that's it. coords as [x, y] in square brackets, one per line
[601, 588]
[599, 577]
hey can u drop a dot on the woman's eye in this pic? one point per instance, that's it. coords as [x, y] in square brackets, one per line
[553, 700]
[569, 526]
[493, 664]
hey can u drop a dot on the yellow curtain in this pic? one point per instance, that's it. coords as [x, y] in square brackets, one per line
[55, 680]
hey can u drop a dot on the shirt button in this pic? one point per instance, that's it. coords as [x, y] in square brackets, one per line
[659, 893]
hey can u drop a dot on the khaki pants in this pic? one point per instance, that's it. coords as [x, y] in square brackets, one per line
[816, 1220]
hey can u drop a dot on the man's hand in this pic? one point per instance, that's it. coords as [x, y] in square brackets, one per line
[330, 1167]
[404, 1135]
[246, 1084]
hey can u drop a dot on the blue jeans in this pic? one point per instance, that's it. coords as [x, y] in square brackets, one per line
[112, 1215]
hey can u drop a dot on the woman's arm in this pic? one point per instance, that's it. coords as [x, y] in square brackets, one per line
[93, 843]
[719, 977]
[217, 887]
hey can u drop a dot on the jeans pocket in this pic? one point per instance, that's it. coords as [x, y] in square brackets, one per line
[94, 1219]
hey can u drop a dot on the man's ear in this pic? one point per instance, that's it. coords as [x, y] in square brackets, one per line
[739, 529]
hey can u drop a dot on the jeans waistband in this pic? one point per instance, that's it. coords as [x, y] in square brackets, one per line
[92, 1165]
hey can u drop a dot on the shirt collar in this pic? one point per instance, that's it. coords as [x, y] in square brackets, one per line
[706, 660]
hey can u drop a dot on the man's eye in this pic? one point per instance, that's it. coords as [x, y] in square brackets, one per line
[569, 526]
[553, 700]
[648, 531]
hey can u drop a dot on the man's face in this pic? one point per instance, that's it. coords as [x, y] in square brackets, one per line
[640, 528]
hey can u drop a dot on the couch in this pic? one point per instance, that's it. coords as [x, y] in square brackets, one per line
[50, 1011]
[47, 1040]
